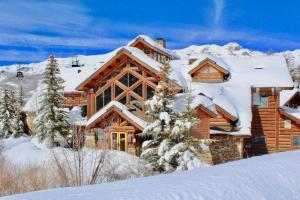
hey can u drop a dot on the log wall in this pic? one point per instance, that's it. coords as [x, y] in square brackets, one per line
[286, 134]
[265, 122]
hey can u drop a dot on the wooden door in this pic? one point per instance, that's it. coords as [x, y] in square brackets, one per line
[119, 141]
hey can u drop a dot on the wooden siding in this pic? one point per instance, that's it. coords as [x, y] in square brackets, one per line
[201, 129]
[74, 99]
[265, 122]
[220, 123]
[202, 76]
[286, 134]
[154, 53]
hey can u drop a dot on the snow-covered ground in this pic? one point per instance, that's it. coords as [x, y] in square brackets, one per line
[275, 177]
[28, 151]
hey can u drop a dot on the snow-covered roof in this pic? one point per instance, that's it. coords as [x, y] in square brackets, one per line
[294, 112]
[137, 53]
[247, 69]
[286, 95]
[198, 100]
[124, 109]
[153, 44]
[75, 117]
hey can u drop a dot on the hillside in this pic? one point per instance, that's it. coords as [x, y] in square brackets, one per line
[273, 177]
[33, 71]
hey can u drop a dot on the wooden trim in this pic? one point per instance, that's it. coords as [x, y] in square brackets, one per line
[207, 111]
[119, 112]
[107, 64]
[225, 113]
[284, 113]
[149, 46]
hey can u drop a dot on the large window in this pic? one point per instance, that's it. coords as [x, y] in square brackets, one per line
[128, 80]
[103, 99]
[139, 90]
[296, 141]
[118, 91]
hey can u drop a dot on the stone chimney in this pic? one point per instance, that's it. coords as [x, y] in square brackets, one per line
[161, 42]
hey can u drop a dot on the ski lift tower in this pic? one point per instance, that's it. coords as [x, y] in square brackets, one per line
[75, 62]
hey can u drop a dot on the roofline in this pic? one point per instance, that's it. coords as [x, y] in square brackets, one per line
[297, 92]
[283, 88]
[207, 111]
[139, 38]
[122, 50]
[118, 111]
[225, 71]
[281, 111]
[225, 113]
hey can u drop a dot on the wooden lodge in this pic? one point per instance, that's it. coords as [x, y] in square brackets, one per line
[244, 108]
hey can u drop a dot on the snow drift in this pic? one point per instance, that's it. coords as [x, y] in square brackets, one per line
[273, 177]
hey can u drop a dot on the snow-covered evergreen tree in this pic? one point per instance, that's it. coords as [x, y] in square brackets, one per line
[18, 125]
[7, 114]
[170, 147]
[160, 111]
[181, 151]
[52, 121]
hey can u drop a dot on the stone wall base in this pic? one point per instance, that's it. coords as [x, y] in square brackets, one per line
[225, 148]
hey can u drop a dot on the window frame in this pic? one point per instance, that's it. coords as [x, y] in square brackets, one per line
[293, 142]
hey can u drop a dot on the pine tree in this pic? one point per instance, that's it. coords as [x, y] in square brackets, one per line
[7, 114]
[18, 125]
[52, 121]
[21, 97]
[160, 111]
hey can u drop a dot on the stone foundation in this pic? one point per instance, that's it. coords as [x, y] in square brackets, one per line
[226, 148]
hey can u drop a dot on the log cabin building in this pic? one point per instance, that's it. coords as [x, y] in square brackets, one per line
[248, 105]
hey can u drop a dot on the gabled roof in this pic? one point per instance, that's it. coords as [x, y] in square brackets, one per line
[151, 43]
[199, 102]
[122, 110]
[132, 52]
[291, 113]
[287, 95]
[217, 63]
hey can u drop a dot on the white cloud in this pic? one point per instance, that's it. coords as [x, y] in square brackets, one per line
[219, 8]
[58, 25]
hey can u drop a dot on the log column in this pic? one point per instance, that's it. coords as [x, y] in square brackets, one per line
[90, 103]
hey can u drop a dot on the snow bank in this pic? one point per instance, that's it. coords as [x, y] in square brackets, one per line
[27, 150]
[275, 177]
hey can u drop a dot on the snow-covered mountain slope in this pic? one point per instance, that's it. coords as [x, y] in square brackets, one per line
[33, 72]
[274, 176]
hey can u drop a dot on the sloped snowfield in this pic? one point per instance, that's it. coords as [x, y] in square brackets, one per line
[273, 177]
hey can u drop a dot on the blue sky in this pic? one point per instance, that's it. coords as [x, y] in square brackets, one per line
[31, 29]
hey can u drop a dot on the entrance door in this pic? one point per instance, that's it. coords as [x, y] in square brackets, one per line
[119, 141]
